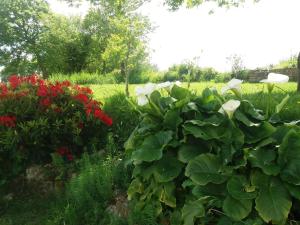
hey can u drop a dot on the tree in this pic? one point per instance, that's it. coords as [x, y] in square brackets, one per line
[126, 48]
[21, 27]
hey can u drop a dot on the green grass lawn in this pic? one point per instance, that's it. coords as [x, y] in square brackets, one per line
[251, 91]
[105, 90]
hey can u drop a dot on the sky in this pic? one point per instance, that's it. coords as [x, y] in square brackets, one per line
[261, 34]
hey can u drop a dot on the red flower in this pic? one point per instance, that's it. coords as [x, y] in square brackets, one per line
[8, 121]
[98, 113]
[42, 91]
[14, 81]
[88, 112]
[86, 90]
[45, 102]
[66, 83]
[56, 89]
[4, 89]
[82, 98]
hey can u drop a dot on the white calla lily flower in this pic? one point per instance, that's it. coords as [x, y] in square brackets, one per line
[166, 85]
[142, 93]
[139, 90]
[233, 84]
[149, 88]
[142, 100]
[275, 78]
[229, 107]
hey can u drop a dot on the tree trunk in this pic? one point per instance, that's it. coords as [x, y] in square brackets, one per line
[298, 66]
[125, 73]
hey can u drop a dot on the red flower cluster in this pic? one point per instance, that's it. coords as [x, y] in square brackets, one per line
[65, 152]
[8, 121]
[45, 102]
[16, 80]
[4, 90]
[93, 107]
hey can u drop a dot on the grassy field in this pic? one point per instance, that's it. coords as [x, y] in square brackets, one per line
[105, 90]
[251, 91]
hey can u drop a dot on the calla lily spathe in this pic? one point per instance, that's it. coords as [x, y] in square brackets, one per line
[143, 92]
[234, 85]
[275, 78]
[229, 107]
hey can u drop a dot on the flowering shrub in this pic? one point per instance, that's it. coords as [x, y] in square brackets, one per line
[39, 118]
[206, 160]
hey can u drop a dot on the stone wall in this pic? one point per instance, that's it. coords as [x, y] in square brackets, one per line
[257, 75]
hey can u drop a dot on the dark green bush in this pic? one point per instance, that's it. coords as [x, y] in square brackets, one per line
[125, 117]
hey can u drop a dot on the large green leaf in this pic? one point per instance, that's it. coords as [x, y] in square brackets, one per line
[188, 152]
[237, 209]
[294, 190]
[172, 119]
[206, 168]
[210, 189]
[289, 157]
[247, 108]
[167, 195]
[239, 188]
[208, 132]
[192, 210]
[265, 159]
[257, 133]
[167, 169]
[152, 147]
[180, 93]
[282, 104]
[136, 186]
[240, 116]
[273, 202]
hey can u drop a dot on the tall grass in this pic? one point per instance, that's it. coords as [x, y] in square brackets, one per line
[84, 78]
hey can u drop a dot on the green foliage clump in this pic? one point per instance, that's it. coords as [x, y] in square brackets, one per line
[88, 194]
[40, 118]
[186, 72]
[124, 115]
[222, 77]
[200, 162]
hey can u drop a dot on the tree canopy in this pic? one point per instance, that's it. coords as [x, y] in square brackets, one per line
[111, 38]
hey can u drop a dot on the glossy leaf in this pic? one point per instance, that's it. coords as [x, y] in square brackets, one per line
[273, 202]
[167, 169]
[206, 168]
[239, 188]
[237, 209]
[289, 157]
[192, 210]
[152, 147]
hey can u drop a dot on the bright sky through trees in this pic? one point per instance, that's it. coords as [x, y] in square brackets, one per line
[261, 33]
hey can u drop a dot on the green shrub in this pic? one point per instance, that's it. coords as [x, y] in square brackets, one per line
[201, 162]
[222, 77]
[125, 117]
[38, 118]
[89, 193]
[92, 191]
